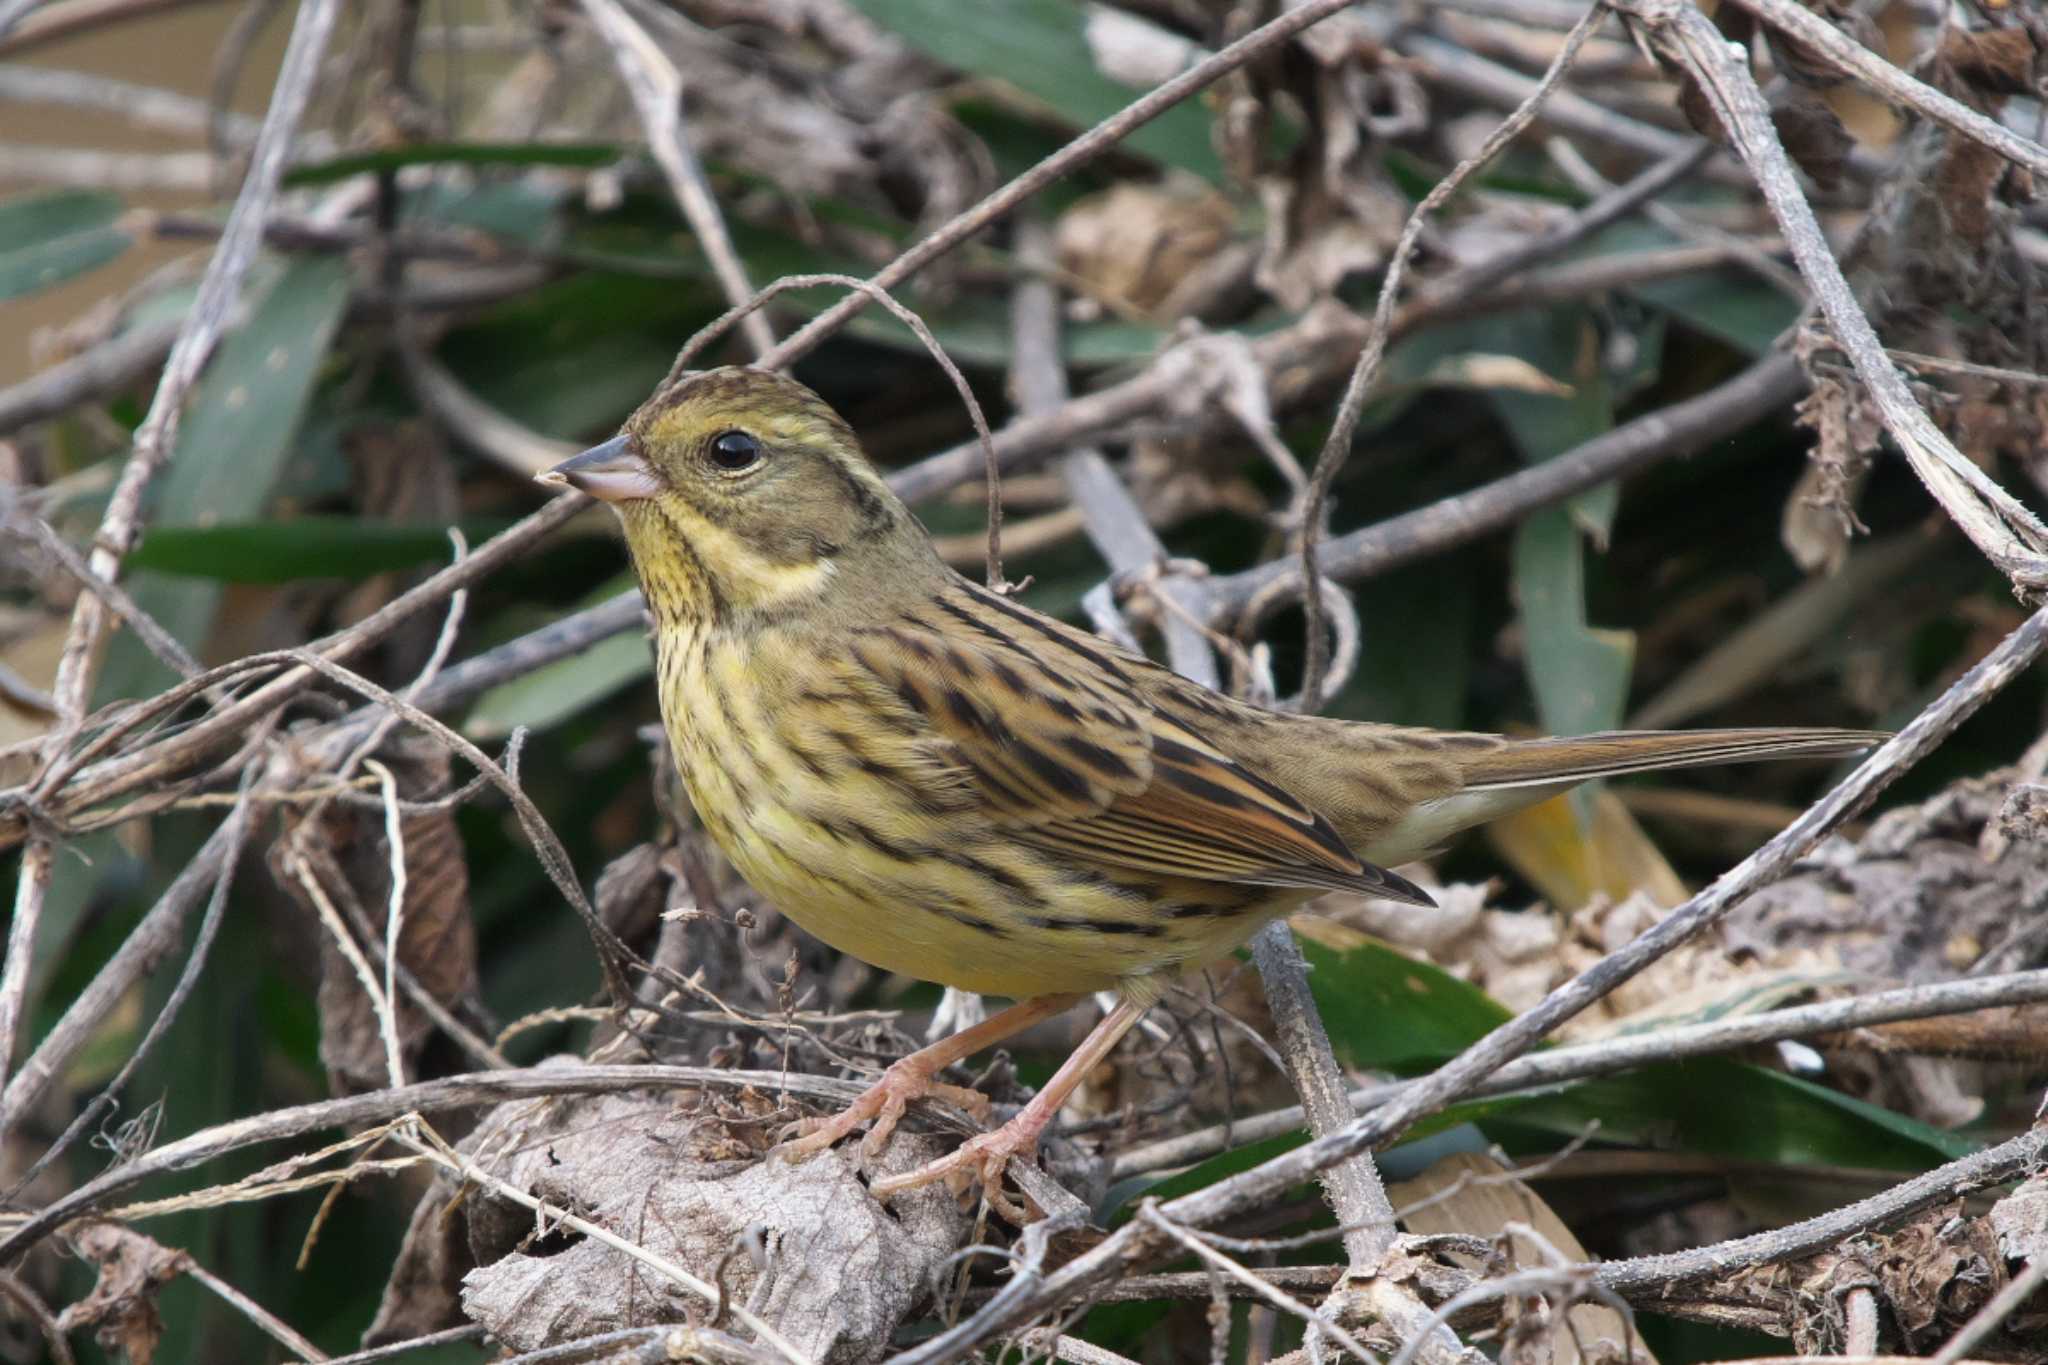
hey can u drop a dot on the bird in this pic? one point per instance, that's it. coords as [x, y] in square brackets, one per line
[942, 782]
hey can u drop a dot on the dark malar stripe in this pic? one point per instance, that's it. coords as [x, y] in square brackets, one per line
[875, 516]
[715, 605]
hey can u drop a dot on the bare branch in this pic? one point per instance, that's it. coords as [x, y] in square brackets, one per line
[1337, 446]
[1851, 58]
[1074, 154]
[1456, 1079]
[1577, 1061]
[2010, 535]
[154, 439]
[1678, 429]
[657, 90]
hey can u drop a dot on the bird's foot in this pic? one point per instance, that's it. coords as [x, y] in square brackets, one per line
[983, 1159]
[884, 1102]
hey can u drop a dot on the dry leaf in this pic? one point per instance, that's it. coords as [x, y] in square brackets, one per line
[1937, 1271]
[1821, 515]
[1571, 864]
[1812, 135]
[1133, 246]
[1993, 62]
[1133, 51]
[1330, 209]
[1484, 371]
[1965, 184]
[1474, 1194]
[347, 856]
[122, 1304]
[2020, 1221]
[1316, 238]
[840, 1273]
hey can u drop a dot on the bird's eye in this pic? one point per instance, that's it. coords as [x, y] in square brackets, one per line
[733, 451]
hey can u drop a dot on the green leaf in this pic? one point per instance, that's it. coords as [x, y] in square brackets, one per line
[1580, 675]
[1198, 1176]
[553, 692]
[1417, 652]
[582, 155]
[1039, 47]
[1564, 344]
[348, 548]
[236, 437]
[38, 217]
[1389, 1012]
[523, 211]
[1386, 1011]
[1718, 1107]
[574, 357]
[973, 328]
[46, 239]
[1729, 304]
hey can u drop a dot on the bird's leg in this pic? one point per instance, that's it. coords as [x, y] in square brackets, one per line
[912, 1078]
[986, 1156]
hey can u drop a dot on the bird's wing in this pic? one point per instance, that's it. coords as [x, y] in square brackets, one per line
[1047, 728]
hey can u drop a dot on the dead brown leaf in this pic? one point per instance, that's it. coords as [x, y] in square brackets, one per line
[122, 1303]
[806, 1245]
[1134, 247]
[346, 852]
[1474, 1194]
[1994, 62]
[1937, 1271]
[1812, 135]
[2020, 1221]
[1820, 517]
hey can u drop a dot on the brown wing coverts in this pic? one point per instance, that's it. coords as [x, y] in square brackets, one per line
[1089, 769]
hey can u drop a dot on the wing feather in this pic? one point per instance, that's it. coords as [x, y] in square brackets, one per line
[1071, 760]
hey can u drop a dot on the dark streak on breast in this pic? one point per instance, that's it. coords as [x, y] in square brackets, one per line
[1096, 926]
[1009, 881]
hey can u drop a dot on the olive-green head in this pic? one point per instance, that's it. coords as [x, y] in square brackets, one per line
[741, 489]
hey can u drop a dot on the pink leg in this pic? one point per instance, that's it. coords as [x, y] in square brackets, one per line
[912, 1078]
[987, 1155]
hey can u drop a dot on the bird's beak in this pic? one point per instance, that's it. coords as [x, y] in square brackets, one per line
[612, 472]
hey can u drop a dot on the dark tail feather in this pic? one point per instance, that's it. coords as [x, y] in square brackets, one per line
[1549, 762]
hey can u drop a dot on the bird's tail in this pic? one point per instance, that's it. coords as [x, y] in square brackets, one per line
[1497, 776]
[1560, 762]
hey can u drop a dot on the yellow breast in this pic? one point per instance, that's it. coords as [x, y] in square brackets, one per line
[845, 817]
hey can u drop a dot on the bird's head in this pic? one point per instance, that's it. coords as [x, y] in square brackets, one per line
[743, 491]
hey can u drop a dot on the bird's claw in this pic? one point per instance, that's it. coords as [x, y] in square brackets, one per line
[984, 1158]
[885, 1102]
